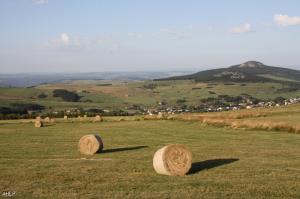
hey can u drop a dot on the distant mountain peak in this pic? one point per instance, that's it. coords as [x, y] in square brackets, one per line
[251, 64]
[251, 71]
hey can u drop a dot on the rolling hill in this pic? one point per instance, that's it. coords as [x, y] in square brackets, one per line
[251, 71]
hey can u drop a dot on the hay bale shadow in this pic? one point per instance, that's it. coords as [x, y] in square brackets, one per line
[47, 125]
[123, 149]
[209, 164]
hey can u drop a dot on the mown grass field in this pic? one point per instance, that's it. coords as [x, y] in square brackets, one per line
[227, 163]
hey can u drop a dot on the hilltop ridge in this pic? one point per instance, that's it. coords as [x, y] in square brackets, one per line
[250, 71]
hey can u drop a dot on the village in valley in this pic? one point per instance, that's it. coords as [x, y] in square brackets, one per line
[211, 105]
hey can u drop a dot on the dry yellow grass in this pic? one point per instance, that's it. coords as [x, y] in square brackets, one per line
[260, 118]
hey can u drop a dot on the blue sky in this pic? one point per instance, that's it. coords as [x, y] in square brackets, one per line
[140, 35]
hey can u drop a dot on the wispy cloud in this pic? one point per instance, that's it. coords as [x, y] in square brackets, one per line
[174, 34]
[40, 2]
[67, 42]
[285, 20]
[135, 35]
[62, 41]
[245, 28]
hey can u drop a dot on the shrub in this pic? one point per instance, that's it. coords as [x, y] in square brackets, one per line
[42, 96]
[180, 101]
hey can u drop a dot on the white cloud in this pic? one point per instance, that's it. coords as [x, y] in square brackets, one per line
[245, 28]
[67, 42]
[285, 20]
[40, 2]
[65, 39]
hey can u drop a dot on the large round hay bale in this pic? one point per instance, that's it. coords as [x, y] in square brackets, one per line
[38, 124]
[173, 160]
[90, 144]
[98, 118]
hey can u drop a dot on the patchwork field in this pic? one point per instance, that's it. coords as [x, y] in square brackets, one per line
[119, 95]
[236, 163]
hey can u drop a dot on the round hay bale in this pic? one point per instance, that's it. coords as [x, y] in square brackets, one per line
[85, 116]
[98, 118]
[47, 119]
[65, 117]
[121, 119]
[175, 160]
[38, 118]
[38, 124]
[161, 115]
[90, 144]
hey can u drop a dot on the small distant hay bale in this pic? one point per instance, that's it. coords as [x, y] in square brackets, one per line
[38, 118]
[121, 119]
[85, 116]
[38, 124]
[150, 117]
[80, 118]
[161, 115]
[65, 117]
[175, 160]
[47, 119]
[170, 117]
[98, 118]
[90, 144]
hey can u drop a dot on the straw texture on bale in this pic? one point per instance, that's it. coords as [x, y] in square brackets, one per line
[175, 160]
[90, 144]
[38, 123]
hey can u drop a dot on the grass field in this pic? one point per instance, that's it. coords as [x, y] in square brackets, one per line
[285, 118]
[227, 163]
[119, 95]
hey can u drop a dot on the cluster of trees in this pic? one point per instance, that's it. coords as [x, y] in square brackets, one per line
[66, 95]
[225, 100]
[19, 110]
